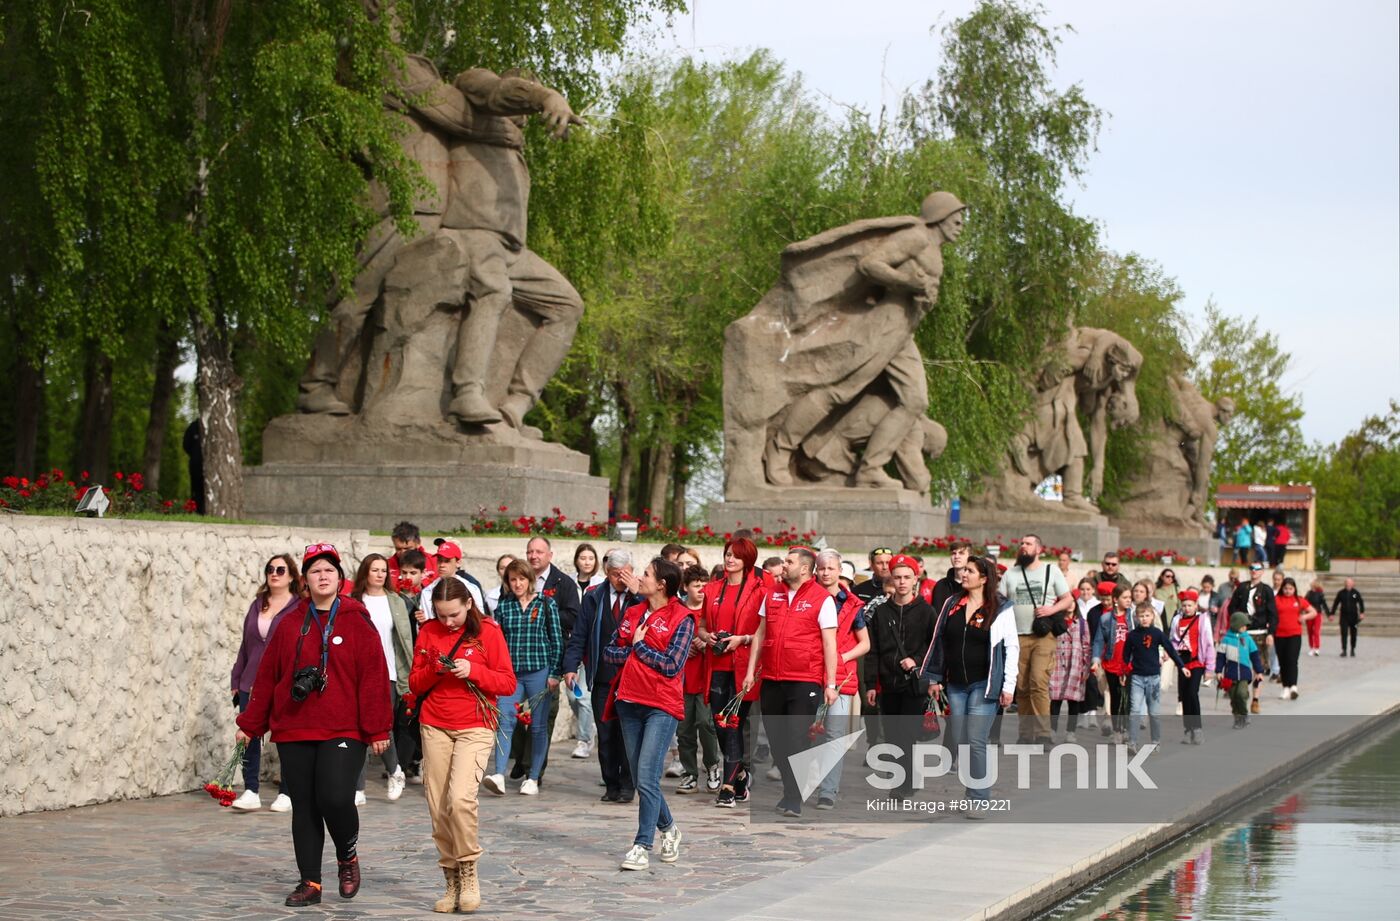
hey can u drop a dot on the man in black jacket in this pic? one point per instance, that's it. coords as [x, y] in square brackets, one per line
[597, 621]
[868, 591]
[1352, 611]
[900, 630]
[1256, 600]
[951, 584]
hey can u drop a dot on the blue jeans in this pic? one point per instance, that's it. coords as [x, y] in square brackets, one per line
[527, 685]
[582, 706]
[646, 734]
[252, 756]
[1146, 695]
[838, 724]
[970, 719]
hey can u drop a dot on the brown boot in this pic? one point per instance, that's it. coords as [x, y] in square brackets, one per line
[448, 903]
[469, 890]
[1254, 705]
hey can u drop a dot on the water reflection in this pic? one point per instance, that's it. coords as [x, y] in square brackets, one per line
[1277, 863]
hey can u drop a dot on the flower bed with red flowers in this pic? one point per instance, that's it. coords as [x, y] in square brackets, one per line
[649, 527]
[55, 491]
[941, 545]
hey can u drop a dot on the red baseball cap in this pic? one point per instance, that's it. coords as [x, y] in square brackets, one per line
[313, 551]
[448, 550]
[909, 562]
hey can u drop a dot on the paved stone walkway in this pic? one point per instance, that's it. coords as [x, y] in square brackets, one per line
[182, 857]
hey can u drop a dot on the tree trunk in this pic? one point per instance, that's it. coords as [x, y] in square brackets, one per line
[627, 455]
[677, 516]
[29, 401]
[95, 422]
[218, 385]
[162, 394]
[662, 457]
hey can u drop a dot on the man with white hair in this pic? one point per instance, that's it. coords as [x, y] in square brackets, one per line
[603, 606]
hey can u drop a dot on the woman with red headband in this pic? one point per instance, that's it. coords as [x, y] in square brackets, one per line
[320, 689]
[731, 611]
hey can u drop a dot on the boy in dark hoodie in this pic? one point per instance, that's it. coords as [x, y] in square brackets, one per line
[1142, 651]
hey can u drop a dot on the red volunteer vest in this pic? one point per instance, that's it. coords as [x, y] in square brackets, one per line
[792, 641]
[846, 681]
[1113, 662]
[738, 616]
[639, 683]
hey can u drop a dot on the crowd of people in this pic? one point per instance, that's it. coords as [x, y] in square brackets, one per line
[664, 665]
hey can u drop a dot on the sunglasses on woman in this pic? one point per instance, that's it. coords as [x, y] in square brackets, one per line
[271, 570]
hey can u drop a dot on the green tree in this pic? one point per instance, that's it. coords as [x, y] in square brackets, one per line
[1235, 358]
[1358, 490]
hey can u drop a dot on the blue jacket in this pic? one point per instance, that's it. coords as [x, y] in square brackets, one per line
[591, 633]
[1241, 670]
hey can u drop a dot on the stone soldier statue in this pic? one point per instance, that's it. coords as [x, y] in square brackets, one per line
[840, 319]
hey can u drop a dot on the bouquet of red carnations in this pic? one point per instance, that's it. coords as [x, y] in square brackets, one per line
[818, 727]
[221, 787]
[525, 709]
[728, 715]
[931, 711]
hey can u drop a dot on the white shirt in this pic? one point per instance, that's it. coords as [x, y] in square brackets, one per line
[826, 617]
[378, 607]
[1261, 535]
[426, 599]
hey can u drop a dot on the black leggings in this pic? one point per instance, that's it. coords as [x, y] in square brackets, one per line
[731, 741]
[1289, 648]
[1075, 708]
[1118, 701]
[1188, 691]
[320, 780]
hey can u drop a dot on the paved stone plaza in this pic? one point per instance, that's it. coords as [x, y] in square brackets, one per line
[182, 857]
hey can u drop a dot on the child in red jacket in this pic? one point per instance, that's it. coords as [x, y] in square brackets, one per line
[461, 666]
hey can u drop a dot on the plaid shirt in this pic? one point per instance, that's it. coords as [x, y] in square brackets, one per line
[534, 643]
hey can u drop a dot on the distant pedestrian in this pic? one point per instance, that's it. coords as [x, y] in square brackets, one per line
[1349, 608]
[1244, 540]
[1293, 614]
[1260, 535]
[1318, 599]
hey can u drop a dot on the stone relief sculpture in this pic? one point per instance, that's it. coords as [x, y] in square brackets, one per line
[1173, 486]
[1094, 371]
[823, 383]
[468, 322]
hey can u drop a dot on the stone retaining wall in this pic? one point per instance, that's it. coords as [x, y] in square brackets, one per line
[116, 643]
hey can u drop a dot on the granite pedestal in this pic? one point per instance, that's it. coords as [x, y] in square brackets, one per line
[851, 520]
[1083, 531]
[329, 471]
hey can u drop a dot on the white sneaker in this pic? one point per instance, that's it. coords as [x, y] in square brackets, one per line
[773, 773]
[529, 787]
[636, 859]
[712, 779]
[360, 798]
[1293, 692]
[248, 801]
[671, 844]
[582, 749]
[674, 769]
[496, 783]
[1071, 738]
[283, 803]
[1285, 694]
[396, 785]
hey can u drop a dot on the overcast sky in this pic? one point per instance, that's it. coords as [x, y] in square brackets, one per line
[1252, 149]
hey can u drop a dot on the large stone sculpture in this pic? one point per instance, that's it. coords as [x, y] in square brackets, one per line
[823, 383]
[1169, 494]
[1094, 371]
[471, 324]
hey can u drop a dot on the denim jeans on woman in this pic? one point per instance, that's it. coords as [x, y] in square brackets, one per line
[527, 685]
[970, 716]
[1147, 698]
[646, 734]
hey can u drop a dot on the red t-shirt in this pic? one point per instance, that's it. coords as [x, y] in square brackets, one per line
[1290, 615]
[451, 704]
[1113, 662]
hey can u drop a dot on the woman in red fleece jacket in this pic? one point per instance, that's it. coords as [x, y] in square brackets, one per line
[321, 738]
[459, 727]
